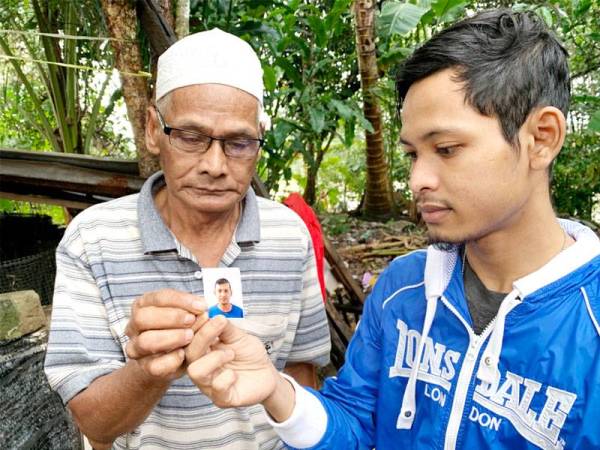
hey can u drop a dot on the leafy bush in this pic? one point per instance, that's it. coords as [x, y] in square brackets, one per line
[576, 176]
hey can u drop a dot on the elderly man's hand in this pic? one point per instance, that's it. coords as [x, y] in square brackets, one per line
[162, 324]
[230, 366]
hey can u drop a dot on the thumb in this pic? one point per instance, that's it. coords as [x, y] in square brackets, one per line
[230, 333]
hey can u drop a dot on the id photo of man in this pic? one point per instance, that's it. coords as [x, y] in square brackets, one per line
[224, 306]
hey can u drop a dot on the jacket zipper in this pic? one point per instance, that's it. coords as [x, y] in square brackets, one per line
[464, 377]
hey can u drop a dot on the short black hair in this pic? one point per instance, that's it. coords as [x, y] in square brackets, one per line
[510, 64]
[223, 281]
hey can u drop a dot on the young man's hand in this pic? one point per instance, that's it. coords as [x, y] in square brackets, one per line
[230, 366]
[162, 324]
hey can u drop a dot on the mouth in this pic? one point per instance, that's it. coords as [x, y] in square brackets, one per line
[433, 213]
[208, 191]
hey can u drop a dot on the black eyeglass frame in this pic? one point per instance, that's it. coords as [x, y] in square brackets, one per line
[168, 129]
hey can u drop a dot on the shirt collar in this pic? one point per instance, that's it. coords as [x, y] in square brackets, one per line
[156, 236]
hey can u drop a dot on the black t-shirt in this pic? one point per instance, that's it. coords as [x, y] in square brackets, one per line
[483, 303]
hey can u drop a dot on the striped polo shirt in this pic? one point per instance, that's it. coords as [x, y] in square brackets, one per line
[116, 251]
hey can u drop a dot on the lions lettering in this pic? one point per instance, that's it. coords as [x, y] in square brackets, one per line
[436, 365]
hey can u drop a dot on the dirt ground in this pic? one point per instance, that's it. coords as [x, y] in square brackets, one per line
[368, 247]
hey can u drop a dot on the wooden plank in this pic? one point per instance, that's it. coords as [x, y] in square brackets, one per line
[85, 161]
[341, 327]
[59, 176]
[341, 272]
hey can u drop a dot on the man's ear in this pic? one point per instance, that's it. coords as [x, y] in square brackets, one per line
[546, 128]
[152, 131]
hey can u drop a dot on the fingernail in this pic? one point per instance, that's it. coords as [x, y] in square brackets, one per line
[189, 334]
[220, 320]
[189, 319]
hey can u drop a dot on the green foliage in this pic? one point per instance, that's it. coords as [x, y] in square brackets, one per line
[55, 82]
[335, 224]
[311, 81]
[594, 124]
[576, 176]
[15, 128]
[342, 178]
[13, 206]
[400, 18]
[309, 60]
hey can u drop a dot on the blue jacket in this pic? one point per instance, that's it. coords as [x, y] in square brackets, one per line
[530, 380]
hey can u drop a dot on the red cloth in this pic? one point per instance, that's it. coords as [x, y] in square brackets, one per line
[297, 204]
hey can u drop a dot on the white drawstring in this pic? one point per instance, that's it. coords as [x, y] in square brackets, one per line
[488, 365]
[409, 403]
[438, 270]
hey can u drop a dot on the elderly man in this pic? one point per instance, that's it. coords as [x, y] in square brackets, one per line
[490, 339]
[129, 282]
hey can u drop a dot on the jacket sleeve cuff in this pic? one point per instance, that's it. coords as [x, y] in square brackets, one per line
[307, 425]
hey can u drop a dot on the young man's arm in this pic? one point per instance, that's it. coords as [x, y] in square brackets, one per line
[238, 372]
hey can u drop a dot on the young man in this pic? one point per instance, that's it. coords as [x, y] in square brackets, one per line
[490, 338]
[224, 307]
[130, 271]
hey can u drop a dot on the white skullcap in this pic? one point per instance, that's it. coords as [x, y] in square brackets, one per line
[210, 57]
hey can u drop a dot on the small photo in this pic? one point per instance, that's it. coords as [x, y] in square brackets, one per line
[223, 292]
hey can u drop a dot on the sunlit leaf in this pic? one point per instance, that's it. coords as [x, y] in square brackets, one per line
[270, 78]
[317, 119]
[443, 7]
[343, 110]
[594, 124]
[400, 18]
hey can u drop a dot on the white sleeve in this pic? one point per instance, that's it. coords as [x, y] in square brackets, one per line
[308, 422]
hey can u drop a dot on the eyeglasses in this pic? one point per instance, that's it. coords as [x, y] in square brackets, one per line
[194, 142]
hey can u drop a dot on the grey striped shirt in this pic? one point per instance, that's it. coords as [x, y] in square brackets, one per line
[114, 252]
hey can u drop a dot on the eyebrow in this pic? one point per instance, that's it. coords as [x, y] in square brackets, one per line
[236, 132]
[431, 134]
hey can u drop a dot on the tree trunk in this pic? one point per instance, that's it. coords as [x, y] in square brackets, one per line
[167, 12]
[378, 196]
[122, 23]
[182, 18]
[310, 191]
[312, 167]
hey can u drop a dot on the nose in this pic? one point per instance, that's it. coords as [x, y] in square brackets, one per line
[423, 175]
[214, 161]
